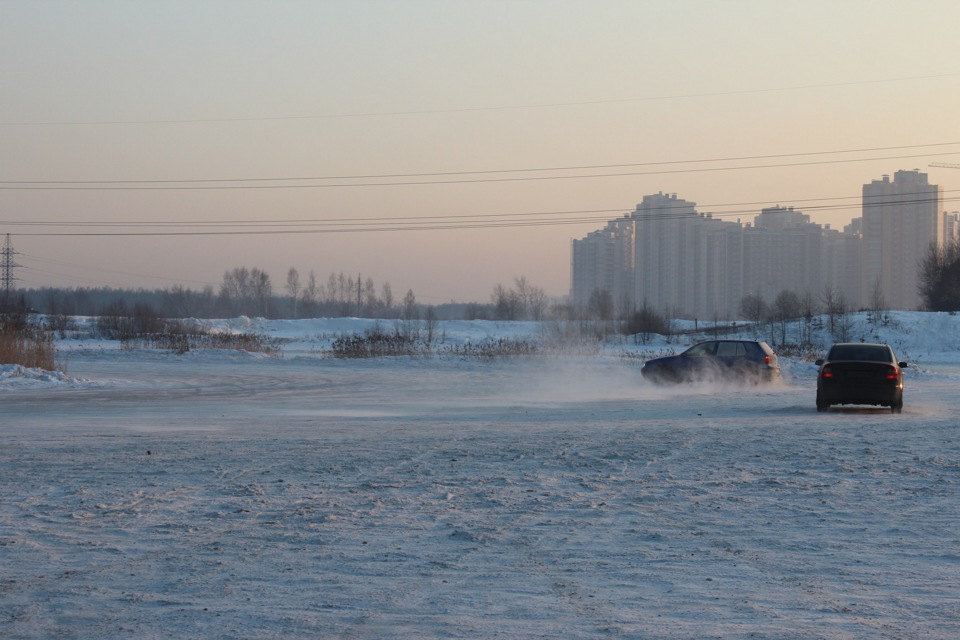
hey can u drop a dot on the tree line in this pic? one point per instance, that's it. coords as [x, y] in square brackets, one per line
[242, 292]
[940, 278]
[251, 292]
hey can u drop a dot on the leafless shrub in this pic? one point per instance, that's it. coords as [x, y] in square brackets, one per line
[376, 344]
[181, 337]
[491, 349]
[805, 352]
[61, 324]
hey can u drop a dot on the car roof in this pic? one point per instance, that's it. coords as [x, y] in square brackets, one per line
[859, 344]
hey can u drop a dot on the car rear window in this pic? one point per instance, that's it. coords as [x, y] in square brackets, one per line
[861, 352]
[729, 349]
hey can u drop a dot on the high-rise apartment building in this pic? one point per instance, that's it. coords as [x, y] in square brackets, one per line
[901, 220]
[686, 263]
[783, 251]
[604, 261]
[662, 256]
[951, 227]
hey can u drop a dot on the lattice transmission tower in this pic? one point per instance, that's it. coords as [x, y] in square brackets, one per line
[6, 277]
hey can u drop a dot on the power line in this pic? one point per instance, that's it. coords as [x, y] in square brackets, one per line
[833, 203]
[484, 171]
[429, 223]
[462, 181]
[547, 105]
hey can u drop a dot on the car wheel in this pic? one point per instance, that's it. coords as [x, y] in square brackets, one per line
[897, 407]
[821, 405]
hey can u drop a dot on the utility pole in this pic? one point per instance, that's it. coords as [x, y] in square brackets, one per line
[7, 277]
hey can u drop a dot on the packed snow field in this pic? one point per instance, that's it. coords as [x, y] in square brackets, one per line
[229, 495]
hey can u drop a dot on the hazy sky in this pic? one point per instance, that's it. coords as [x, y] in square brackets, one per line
[208, 118]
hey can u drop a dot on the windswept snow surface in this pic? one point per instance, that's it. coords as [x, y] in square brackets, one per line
[226, 495]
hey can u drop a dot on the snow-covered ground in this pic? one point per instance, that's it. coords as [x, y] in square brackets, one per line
[232, 495]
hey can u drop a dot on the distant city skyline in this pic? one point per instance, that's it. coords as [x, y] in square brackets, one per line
[669, 257]
[443, 147]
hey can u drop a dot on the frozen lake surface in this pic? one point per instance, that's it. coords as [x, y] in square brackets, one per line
[224, 495]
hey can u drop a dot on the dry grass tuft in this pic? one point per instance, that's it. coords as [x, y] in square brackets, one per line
[27, 345]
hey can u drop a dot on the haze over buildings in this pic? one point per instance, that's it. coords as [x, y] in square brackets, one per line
[669, 257]
[443, 147]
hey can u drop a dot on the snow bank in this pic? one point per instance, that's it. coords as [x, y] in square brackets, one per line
[14, 375]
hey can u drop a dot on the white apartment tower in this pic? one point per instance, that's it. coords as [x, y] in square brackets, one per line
[603, 261]
[783, 251]
[902, 219]
[951, 227]
[688, 264]
[663, 259]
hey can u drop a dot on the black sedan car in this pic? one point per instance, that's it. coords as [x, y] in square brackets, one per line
[860, 373]
[750, 361]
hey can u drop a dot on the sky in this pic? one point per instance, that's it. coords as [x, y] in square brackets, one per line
[443, 146]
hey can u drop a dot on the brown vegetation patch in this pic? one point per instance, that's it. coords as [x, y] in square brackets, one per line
[25, 344]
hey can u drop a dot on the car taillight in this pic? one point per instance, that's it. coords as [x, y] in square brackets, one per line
[766, 359]
[893, 374]
[827, 372]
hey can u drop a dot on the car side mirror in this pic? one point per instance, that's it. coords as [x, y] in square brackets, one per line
[819, 362]
[902, 365]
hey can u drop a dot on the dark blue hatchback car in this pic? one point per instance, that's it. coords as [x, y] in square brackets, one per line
[749, 361]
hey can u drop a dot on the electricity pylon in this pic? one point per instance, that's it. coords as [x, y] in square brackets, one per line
[7, 278]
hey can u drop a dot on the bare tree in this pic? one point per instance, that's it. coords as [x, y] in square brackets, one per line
[332, 289]
[878, 303]
[177, 303]
[753, 308]
[831, 298]
[262, 291]
[786, 307]
[536, 303]
[430, 324]
[522, 289]
[293, 288]
[386, 293]
[522, 301]
[233, 290]
[344, 293]
[409, 316]
[370, 301]
[506, 303]
[409, 311]
[246, 291]
[600, 305]
[310, 293]
[843, 325]
[808, 310]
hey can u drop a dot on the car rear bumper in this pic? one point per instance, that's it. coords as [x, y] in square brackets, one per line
[879, 394]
